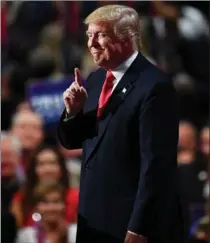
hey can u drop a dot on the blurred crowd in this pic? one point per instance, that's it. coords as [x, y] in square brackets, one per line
[42, 42]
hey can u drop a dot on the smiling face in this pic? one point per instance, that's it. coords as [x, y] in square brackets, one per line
[28, 127]
[47, 166]
[107, 50]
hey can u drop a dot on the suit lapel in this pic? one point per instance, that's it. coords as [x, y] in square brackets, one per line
[121, 91]
[125, 85]
[94, 92]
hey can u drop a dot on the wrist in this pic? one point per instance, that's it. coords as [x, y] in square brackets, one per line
[70, 113]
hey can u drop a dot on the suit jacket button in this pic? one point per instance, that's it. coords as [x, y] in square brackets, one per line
[86, 167]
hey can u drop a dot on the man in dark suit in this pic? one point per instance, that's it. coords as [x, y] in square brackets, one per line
[126, 121]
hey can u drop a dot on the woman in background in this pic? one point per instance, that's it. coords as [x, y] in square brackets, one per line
[205, 142]
[49, 217]
[46, 164]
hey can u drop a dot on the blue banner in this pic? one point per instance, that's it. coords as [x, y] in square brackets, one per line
[46, 98]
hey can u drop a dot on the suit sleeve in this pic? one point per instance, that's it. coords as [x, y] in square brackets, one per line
[73, 131]
[158, 136]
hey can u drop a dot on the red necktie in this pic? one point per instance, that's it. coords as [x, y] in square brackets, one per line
[106, 92]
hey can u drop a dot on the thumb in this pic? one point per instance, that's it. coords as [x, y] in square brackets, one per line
[77, 76]
[83, 90]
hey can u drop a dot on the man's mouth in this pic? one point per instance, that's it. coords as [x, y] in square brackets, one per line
[95, 52]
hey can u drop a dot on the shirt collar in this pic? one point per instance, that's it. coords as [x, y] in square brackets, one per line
[122, 68]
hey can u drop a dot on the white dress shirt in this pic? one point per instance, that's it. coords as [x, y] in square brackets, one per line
[122, 68]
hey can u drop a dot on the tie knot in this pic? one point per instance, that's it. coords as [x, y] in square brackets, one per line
[109, 76]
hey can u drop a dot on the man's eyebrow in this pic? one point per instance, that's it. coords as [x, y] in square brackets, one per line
[97, 32]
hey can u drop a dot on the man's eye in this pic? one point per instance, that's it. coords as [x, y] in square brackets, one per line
[102, 35]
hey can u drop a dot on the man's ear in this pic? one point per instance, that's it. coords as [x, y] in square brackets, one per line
[127, 42]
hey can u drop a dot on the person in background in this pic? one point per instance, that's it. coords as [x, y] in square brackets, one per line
[188, 150]
[50, 224]
[10, 160]
[205, 142]
[187, 144]
[200, 230]
[28, 127]
[10, 163]
[192, 164]
[192, 171]
[47, 163]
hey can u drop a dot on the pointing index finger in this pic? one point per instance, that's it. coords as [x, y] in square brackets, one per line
[77, 76]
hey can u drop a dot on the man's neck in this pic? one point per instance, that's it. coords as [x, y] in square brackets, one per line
[125, 57]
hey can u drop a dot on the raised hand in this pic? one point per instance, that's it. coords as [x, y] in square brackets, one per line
[75, 96]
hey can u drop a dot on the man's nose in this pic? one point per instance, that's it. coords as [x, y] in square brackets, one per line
[92, 42]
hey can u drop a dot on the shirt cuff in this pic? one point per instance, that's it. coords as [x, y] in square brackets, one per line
[67, 116]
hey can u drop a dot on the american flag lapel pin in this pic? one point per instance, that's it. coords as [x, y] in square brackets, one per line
[124, 90]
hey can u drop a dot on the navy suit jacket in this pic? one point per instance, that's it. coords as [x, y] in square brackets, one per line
[129, 177]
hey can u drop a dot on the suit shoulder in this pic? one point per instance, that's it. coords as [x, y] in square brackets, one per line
[156, 75]
[153, 77]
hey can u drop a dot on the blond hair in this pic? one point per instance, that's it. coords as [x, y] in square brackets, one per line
[46, 187]
[125, 22]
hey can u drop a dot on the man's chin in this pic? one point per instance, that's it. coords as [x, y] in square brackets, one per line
[97, 61]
